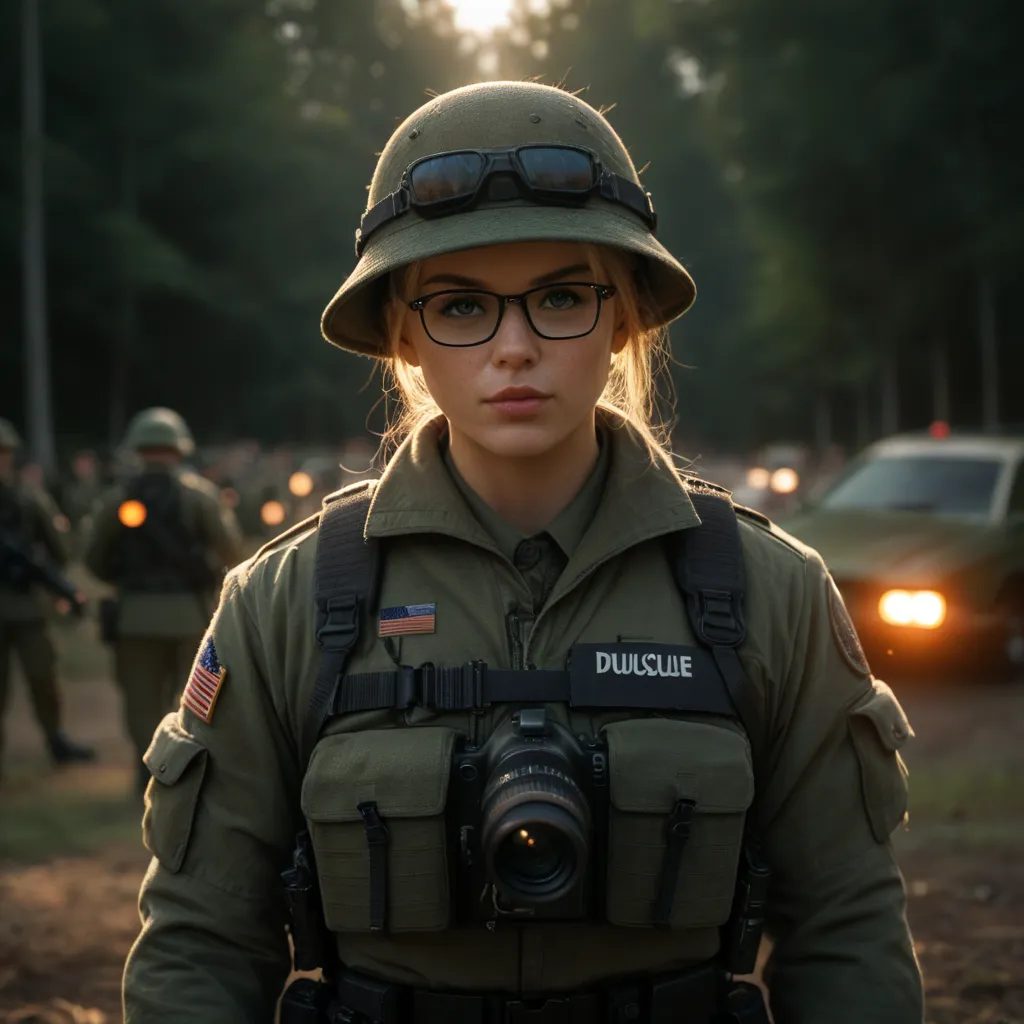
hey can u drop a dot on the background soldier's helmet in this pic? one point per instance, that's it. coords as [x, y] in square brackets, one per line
[159, 428]
[8, 435]
[498, 115]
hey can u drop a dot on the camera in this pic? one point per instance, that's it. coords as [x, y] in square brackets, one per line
[526, 813]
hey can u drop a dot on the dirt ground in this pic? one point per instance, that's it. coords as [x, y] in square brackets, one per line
[70, 860]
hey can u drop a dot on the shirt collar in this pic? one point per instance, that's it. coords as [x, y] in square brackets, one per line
[566, 529]
[642, 497]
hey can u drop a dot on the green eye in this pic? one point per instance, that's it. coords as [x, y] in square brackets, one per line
[462, 306]
[560, 299]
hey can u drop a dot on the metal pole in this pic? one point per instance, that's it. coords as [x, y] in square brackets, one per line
[989, 354]
[38, 414]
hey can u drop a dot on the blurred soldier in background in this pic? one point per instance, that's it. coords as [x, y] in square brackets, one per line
[27, 526]
[165, 540]
[84, 489]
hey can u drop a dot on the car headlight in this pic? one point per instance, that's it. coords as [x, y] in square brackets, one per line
[925, 609]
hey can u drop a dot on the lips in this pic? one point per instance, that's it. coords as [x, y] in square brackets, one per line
[516, 394]
[519, 402]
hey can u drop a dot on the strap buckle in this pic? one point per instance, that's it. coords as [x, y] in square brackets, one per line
[338, 630]
[405, 688]
[473, 685]
[460, 688]
[718, 614]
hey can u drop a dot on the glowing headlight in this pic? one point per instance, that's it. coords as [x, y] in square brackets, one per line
[925, 609]
[785, 480]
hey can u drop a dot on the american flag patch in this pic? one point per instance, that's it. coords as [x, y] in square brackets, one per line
[406, 618]
[204, 684]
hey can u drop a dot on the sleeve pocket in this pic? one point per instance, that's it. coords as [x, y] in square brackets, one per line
[879, 728]
[177, 763]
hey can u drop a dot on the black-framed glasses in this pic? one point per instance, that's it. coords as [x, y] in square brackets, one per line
[446, 183]
[463, 317]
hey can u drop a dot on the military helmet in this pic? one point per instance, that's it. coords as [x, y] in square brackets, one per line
[159, 428]
[8, 435]
[495, 116]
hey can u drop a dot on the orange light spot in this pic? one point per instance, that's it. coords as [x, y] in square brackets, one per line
[272, 513]
[939, 430]
[132, 513]
[300, 484]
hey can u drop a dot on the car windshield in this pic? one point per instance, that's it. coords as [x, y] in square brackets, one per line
[945, 486]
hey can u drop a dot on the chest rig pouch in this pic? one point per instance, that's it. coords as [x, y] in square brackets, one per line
[645, 824]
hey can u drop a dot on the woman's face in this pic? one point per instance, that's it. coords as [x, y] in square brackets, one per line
[556, 382]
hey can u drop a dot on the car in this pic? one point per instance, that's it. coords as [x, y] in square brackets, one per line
[924, 538]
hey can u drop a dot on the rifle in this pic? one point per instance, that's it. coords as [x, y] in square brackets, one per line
[20, 568]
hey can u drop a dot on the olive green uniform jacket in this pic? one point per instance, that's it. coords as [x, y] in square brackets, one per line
[229, 795]
[176, 614]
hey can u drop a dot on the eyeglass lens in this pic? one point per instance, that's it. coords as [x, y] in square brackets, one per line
[471, 317]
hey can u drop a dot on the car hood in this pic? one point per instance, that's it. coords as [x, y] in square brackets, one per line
[898, 547]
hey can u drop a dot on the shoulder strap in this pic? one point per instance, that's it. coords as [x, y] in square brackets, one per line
[707, 563]
[344, 587]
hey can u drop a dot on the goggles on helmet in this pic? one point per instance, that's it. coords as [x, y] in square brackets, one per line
[447, 183]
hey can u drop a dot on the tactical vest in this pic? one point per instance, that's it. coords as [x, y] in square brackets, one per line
[707, 565]
[164, 554]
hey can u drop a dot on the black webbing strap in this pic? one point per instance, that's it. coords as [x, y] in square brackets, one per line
[345, 583]
[377, 838]
[708, 566]
[707, 563]
[473, 687]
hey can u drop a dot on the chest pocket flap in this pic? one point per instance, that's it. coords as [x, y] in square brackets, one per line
[690, 780]
[405, 773]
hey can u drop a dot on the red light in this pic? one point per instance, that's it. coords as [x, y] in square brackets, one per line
[939, 430]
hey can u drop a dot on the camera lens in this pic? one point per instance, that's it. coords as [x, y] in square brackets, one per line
[538, 855]
[535, 828]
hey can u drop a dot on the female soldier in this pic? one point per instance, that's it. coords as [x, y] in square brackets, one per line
[521, 743]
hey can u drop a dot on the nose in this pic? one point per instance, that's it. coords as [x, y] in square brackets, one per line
[515, 345]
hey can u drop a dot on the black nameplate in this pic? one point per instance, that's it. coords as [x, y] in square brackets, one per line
[666, 677]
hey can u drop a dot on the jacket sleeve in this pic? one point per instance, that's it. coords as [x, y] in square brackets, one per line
[836, 789]
[45, 513]
[220, 817]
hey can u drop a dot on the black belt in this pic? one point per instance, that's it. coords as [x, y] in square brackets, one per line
[702, 995]
[474, 686]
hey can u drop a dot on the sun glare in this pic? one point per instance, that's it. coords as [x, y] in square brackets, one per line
[481, 16]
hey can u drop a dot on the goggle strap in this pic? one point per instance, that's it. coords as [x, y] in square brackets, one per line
[611, 186]
[390, 207]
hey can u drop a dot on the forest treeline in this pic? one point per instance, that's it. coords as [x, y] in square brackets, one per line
[844, 181]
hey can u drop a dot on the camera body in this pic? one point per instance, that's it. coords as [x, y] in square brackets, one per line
[526, 821]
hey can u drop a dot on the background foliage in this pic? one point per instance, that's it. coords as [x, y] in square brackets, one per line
[841, 179]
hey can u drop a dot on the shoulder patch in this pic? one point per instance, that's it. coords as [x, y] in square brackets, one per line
[845, 633]
[203, 689]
